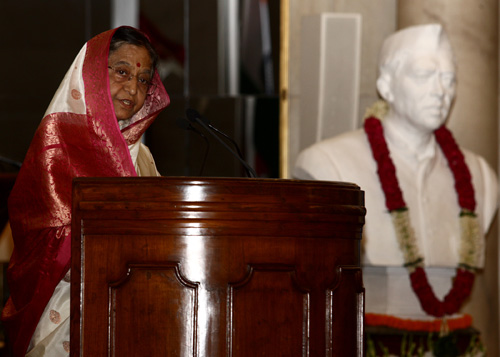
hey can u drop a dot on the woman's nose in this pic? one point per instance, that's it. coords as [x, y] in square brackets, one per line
[131, 85]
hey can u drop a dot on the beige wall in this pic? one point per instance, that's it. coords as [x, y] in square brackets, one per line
[378, 21]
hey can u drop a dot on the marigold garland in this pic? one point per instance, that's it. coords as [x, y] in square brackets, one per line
[471, 242]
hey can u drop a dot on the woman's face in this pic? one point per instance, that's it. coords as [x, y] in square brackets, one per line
[130, 71]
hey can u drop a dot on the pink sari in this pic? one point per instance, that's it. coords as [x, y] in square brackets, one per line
[79, 136]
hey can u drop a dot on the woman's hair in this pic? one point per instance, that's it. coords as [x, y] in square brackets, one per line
[131, 36]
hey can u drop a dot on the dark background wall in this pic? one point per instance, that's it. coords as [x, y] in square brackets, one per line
[40, 39]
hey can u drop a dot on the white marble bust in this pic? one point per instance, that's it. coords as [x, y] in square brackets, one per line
[417, 79]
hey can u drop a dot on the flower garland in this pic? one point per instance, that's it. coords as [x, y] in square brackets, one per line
[471, 242]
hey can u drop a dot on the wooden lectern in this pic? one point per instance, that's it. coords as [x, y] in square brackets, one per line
[216, 267]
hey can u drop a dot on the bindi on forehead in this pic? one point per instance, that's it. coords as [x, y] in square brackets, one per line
[138, 64]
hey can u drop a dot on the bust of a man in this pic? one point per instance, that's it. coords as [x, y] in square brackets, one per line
[417, 80]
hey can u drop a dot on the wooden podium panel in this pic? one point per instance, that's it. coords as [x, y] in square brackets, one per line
[216, 267]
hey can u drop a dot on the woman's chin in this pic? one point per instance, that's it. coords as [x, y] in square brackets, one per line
[123, 114]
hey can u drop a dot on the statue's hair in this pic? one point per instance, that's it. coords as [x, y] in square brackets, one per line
[410, 41]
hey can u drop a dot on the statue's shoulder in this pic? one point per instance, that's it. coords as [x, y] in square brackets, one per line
[485, 184]
[478, 166]
[355, 139]
[333, 158]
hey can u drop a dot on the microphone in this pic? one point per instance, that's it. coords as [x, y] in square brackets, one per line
[184, 124]
[196, 117]
[11, 162]
[207, 122]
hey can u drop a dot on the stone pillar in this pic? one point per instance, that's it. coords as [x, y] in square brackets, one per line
[473, 30]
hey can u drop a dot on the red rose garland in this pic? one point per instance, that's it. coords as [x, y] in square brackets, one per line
[462, 284]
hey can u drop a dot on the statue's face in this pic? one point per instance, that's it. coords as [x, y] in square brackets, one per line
[423, 88]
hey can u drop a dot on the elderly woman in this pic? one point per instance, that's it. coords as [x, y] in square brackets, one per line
[108, 98]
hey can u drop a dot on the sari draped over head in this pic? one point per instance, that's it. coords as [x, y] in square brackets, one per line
[79, 136]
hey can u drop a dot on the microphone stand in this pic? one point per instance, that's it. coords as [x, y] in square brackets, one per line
[194, 116]
[184, 124]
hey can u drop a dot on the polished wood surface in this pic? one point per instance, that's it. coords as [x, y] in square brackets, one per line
[216, 267]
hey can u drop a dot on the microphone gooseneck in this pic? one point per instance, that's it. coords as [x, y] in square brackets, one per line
[186, 125]
[206, 121]
[11, 162]
[196, 117]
